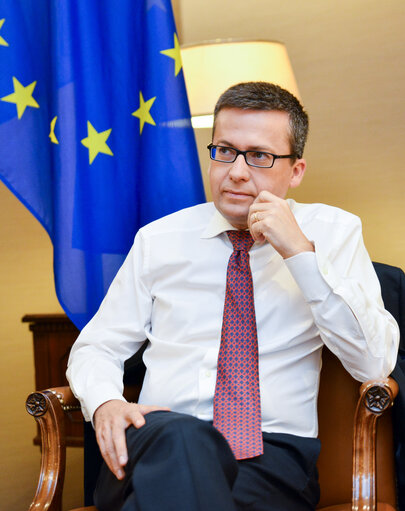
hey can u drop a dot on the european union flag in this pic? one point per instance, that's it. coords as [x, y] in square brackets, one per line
[95, 132]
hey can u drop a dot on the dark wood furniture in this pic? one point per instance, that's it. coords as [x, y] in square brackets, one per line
[53, 336]
[349, 480]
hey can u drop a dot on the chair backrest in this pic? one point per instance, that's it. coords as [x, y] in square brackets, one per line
[338, 396]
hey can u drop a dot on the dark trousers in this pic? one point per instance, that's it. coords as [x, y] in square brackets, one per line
[180, 463]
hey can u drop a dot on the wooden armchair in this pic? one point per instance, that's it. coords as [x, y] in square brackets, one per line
[354, 466]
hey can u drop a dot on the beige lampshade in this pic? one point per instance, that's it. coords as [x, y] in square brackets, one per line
[210, 68]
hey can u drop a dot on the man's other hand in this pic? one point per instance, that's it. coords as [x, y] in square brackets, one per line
[111, 419]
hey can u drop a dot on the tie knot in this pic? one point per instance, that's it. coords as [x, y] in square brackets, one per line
[241, 240]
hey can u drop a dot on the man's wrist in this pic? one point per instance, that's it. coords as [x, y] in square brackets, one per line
[306, 246]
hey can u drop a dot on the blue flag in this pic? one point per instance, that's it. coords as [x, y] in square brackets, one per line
[95, 132]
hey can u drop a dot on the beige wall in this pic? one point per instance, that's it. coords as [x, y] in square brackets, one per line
[26, 287]
[348, 58]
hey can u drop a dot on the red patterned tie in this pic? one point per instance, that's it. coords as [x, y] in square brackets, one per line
[237, 413]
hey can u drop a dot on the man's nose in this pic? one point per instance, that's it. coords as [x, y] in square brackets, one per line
[239, 169]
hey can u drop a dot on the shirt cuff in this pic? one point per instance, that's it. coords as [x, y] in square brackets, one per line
[95, 399]
[310, 277]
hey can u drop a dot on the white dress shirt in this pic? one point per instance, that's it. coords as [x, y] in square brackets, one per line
[171, 290]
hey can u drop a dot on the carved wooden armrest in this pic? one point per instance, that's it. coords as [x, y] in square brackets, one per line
[48, 407]
[376, 396]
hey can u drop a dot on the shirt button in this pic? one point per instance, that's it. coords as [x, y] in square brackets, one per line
[207, 374]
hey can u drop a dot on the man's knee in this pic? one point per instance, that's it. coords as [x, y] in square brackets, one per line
[180, 438]
[176, 429]
[173, 423]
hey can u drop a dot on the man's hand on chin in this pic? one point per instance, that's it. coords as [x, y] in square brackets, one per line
[271, 219]
[111, 419]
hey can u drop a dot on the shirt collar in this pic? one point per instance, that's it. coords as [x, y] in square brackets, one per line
[217, 225]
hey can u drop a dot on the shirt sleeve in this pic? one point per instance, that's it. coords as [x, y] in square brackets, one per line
[340, 285]
[115, 333]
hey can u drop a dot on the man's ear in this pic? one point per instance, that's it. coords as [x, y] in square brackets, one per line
[298, 172]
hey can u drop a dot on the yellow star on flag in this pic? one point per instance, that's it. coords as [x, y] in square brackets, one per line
[143, 113]
[52, 135]
[3, 42]
[22, 97]
[96, 142]
[174, 53]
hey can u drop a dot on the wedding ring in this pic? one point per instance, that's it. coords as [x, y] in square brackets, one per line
[255, 219]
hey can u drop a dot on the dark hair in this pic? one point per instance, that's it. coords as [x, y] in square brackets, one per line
[267, 96]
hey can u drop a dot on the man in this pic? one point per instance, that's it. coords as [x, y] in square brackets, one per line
[313, 285]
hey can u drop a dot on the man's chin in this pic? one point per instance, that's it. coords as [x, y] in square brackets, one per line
[236, 218]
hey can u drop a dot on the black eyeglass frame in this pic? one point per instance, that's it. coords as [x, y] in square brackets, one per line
[237, 153]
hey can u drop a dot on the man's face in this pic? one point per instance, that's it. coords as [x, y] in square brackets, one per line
[235, 186]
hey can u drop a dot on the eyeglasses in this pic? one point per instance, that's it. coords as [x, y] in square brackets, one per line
[252, 158]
